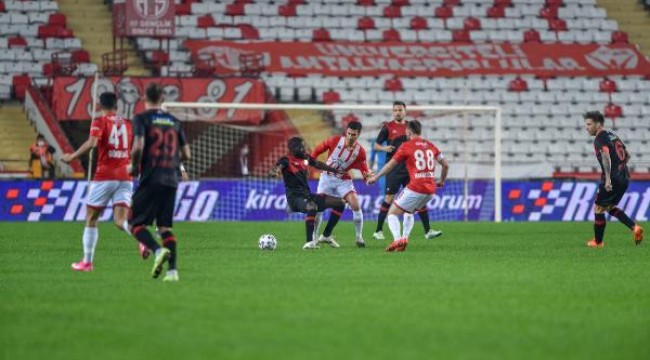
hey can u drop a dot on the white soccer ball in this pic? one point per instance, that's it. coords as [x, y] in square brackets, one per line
[267, 242]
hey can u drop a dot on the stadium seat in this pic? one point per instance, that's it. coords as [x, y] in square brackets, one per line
[613, 111]
[57, 19]
[419, 23]
[331, 97]
[392, 11]
[607, 85]
[444, 12]
[619, 37]
[518, 85]
[391, 35]
[366, 23]
[20, 83]
[321, 34]
[393, 84]
[532, 35]
[557, 25]
[471, 24]
[461, 36]
[496, 12]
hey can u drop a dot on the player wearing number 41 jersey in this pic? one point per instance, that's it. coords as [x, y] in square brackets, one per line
[158, 144]
[613, 158]
[111, 135]
[420, 157]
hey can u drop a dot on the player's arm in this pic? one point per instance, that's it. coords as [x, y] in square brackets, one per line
[186, 154]
[444, 172]
[83, 149]
[607, 167]
[276, 170]
[382, 138]
[324, 167]
[136, 155]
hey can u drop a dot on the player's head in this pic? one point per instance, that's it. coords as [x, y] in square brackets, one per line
[296, 147]
[594, 121]
[399, 111]
[40, 139]
[108, 101]
[352, 132]
[153, 95]
[413, 129]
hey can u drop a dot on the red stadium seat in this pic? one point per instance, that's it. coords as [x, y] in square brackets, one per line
[365, 23]
[296, 2]
[607, 86]
[548, 13]
[392, 11]
[348, 119]
[532, 35]
[472, 23]
[243, 2]
[366, 2]
[184, 9]
[502, 2]
[287, 10]
[444, 12]
[554, 3]
[400, 2]
[460, 36]
[496, 12]
[394, 85]
[518, 85]
[80, 56]
[2, 6]
[613, 111]
[419, 23]
[321, 34]
[619, 37]
[46, 31]
[236, 9]
[331, 97]
[451, 3]
[249, 32]
[557, 25]
[49, 69]
[391, 35]
[20, 84]
[57, 19]
[17, 41]
[205, 21]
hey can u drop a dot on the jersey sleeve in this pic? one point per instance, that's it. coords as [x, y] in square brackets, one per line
[383, 135]
[283, 163]
[437, 153]
[96, 128]
[138, 126]
[401, 154]
[182, 140]
[311, 161]
[600, 144]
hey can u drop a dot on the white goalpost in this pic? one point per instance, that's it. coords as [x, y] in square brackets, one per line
[466, 129]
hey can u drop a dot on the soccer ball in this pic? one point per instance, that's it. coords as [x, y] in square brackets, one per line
[267, 242]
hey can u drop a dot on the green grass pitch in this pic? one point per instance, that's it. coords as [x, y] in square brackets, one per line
[482, 291]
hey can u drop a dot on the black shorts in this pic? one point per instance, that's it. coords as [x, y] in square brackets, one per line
[153, 202]
[606, 198]
[298, 203]
[394, 180]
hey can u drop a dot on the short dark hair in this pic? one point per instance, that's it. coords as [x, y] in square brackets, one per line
[294, 142]
[153, 93]
[596, 116]
[108, 100]
[415, 126]
[401, 103]
[355, 125]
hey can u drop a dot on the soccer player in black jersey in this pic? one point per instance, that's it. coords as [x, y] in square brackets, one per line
[394, 134]
[613, 158]
[294, 168]
[158, 145]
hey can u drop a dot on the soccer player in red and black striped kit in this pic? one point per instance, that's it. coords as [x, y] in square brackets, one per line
[613, 158]
[158, 145]
[394, 134]
[294, 168]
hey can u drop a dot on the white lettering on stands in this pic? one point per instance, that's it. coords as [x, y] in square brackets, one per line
[581, 202]
[204, 205]
[76, 210]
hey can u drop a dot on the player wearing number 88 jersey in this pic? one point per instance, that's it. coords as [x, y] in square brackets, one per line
[420, 157]
[111, 135]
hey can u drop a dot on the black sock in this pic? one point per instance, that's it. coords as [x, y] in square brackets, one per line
[335, 215]
[309, 224]
[424, 217]
[144, 237]
[622, 217]
[383, 211]
[599, 227]
[169, 241]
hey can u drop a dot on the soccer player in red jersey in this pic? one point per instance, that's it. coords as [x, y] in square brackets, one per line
[420, 157]
[394, 134]
[613, 158]
[112, 135]
[344, 153]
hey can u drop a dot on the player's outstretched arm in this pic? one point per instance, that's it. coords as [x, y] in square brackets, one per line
[443, 174]
[275, 170]
[136, 155]
[385, 170]
[84, 148]
[322, 166]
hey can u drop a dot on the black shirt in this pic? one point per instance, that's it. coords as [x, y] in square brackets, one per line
[394, 134]
[163, 139]
[294, 174]
[616, 149]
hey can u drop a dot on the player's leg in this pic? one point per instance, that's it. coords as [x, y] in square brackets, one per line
[619, 188]
[164, 222]
[122, 205]
[99, 193]
[323, 188]
[395, 228]
[393, 183]
[357, 217]
[341, 189]
[143, 212]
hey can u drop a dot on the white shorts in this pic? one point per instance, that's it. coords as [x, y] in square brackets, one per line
[100, 194]
[410, 201]
[333, 186]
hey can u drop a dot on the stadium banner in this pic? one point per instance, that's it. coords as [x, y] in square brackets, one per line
[264, 200]
[72, 98]
[422, 59]
[153, 18]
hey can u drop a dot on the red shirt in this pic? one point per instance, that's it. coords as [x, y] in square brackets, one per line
[341, 157]
[420, 157]
[114, 139]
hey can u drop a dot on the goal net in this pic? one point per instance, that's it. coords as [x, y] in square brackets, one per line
[235, 145]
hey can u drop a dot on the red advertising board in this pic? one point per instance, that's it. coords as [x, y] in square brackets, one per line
[421, 59]
[72, 98]
[153, 18]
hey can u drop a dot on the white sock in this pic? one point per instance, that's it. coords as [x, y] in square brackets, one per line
[394, 225]
[357, 217]
[91, 234]
[409, 220]
[318, 219]
[125, 227]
